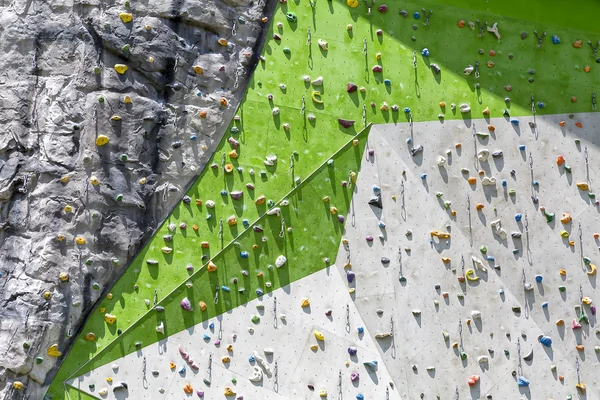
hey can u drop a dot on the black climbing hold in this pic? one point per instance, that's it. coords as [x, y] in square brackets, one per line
[376, 201]
[385, 260]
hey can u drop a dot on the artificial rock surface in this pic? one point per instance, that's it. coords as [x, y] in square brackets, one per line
[60, 92]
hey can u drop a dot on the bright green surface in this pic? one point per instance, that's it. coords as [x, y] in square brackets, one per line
[558, 76]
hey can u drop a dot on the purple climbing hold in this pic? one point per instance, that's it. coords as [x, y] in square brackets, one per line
[354, 376]
[186, 305]
[593, 309]
[200, 393]
[234, 143]
[371, 152]
[257, 228]
[346, 123]
[250, 186]
[352, 351]
[341, 219]
[369, 238]
[350, 276]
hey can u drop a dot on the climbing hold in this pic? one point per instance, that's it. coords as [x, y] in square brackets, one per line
[53, 351]
[352, 3]
[91, 336]
[323, 44]
[583, 186]
[186, 304]
[522, 381]
[280, 261]
[126, 17]
[316, 97]
[371, 364]
[473, 379]
[319, 335]
[121, 68]
[439, 234]
[228, 391]
[465, 108]
[566, 218]
[222, 41]
[305, 302]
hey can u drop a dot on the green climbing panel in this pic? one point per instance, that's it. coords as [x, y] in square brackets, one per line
[552, 74]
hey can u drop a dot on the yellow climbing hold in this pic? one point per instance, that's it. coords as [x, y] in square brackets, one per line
[560, 322]
[60, 237]
[91, 336]
[211, 267]
[203, 306]
[63, 276]
[142, 181]
[47, 295]
[65, 178]
[126, 17]
[101, 140]
[352, 3]
[225, 359]
[53, 351]
[583, 186]
[439, 234]
[592, 270]
[233, 154]
[586, 300]
[110, 319]
[115, 118]
[94, 181]
[223, 41]
[316, 97]
[109, 379]
[322, 393]
[109, 296]
[80, 240]
[18, 385]
[260, 200]
[314, 347]
[581, 387]
[470, 274]
[305, 302]
[127, 100]
[228, 391]
[564, 234]
[68, 208]
[352, 176]
[319, 335]
[198, 69]
[121, 68]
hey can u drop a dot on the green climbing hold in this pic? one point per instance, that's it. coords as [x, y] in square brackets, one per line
[119, 197]
[255, 319]
[89, 261]
[587, 260]
[101, 99]
[97, 70]
[241, 20]
[124, 157]
[562, 288]
[549, 216]
[126, 48]
[95, 286]
[512, 192]
[483, 249]
[39, 360]
[591, 195]
[286, 50]
[291, 17]
[568, 168]
[463, 355]
[26, 345]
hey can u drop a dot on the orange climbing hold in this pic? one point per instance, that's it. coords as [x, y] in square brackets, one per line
[472, 180]
[203, 114]
[461, 23]
[473, 380]
[596, 235]
[198, 202]
[188, 388]
[577, 44]
[573, 99]
[205, 245]
[560, 160]
[223, 101]
[491, 128]
[195, 228]
[579, 124]
[490, 64]
[562, 123]
[586, 68]
[442, 104]
[228, 168]
[458, 145]
[211, 267]
[479, 206]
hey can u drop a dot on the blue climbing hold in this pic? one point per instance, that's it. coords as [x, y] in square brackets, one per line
[417, 15]
[539, 278]
[182, 369]
[223, 192]
[541, 105]
[522, 381]
[371, 364]
[423, 176]
[490, 258]
[206, 337]
[535, 183]
[545, 304]
[555, 39]
[212, 325]
[382, 224]
[361, 329]
[522, 147]
[409, 140]
[225, 289]
[546, 341]
[259, 292]
[193, 137]
[504, 182]
[425, 52]
[244, 254]
[515, 122]
[501, 291]
[360, 397]
[407, 109]
[246, 223]
[251, 359]
[518, 217]
[387, 82]
[376, 189]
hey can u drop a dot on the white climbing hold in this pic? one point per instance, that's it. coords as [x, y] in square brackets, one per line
[161, 328]
[262, 363]
[256, 376]
[274, 211]
[318, 81]
[494, 29]
[488, 181]
[469, 70]
[478, 264]
[482, 359]
[270, 160]
[476, 314]
[280, 261]
[441, 161]
[465, 108]
[210, 204]
[275, 110]
[483, 155]
[496, 227]
[306, 78]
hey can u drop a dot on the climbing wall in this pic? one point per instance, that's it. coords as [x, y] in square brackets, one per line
[257, 234]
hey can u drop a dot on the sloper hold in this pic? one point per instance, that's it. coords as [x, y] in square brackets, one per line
[346, 123]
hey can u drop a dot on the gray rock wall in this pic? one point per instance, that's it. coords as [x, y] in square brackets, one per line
[59, 92]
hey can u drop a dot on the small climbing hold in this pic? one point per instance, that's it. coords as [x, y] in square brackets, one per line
[126, 17]
[121, 68]
[53, 351]
[319, 335]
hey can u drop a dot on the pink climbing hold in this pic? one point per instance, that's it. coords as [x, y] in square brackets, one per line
[378, 68]
[352, 87]
[382, 8]
[186, 305]
[575, 324]
[234, 143]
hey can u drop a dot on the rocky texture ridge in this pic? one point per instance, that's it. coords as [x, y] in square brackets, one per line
[91, 160]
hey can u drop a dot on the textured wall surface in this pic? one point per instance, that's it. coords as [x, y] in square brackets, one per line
[59, 93]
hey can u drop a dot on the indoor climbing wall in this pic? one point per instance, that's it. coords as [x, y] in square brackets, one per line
[338, 246]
